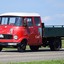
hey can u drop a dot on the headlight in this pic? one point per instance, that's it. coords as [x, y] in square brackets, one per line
[15, 37]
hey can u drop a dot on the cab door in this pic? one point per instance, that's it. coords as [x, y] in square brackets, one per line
[38, 30]
[30, 30]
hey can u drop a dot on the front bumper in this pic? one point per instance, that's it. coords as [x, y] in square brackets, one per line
[8, 44]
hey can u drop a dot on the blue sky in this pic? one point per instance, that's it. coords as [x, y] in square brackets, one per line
[51, 11]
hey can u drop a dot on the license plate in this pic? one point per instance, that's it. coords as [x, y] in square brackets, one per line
[1, 36]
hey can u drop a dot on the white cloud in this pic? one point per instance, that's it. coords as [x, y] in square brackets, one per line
[46, 18]
[52, 18]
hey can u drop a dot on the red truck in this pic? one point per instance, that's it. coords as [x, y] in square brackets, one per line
[21, 29]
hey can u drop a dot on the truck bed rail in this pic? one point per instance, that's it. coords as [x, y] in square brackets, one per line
[54, 26]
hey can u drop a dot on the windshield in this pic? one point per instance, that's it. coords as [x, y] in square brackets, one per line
[7, 20]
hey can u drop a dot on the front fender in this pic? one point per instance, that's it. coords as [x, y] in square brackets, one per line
[19, 40]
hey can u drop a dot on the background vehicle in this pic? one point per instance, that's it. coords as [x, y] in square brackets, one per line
[21, 29]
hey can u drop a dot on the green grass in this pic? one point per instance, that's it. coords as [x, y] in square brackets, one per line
[41, 62]
[27, 48]
[62, 43]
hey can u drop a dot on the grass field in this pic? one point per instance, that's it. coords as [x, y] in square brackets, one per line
[41, 62]
[62, 43]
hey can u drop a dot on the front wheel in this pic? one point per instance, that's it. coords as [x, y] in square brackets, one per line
[34, 48]
[22, 46]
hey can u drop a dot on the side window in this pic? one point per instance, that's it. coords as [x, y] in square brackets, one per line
[12, 20]
[29, 22]
[37, 21]
[4, 20]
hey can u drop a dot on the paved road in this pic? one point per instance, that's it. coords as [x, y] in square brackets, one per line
[46, 54]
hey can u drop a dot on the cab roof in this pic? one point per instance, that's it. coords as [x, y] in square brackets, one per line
[19, 14]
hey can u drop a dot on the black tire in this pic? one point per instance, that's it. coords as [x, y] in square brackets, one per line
[55, 44]
[22, 46]
[34, 48]
[1, 48]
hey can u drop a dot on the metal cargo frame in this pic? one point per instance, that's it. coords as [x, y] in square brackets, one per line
[53, 31]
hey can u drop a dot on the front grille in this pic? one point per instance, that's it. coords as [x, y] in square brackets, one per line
[6, 36]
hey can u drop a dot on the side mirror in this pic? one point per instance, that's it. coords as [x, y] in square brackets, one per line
[42, 25]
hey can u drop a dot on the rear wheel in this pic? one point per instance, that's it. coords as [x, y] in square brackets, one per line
[55, 44]
[22, 46]
[34, 48]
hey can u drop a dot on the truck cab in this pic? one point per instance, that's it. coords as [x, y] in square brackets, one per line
[20, 29]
